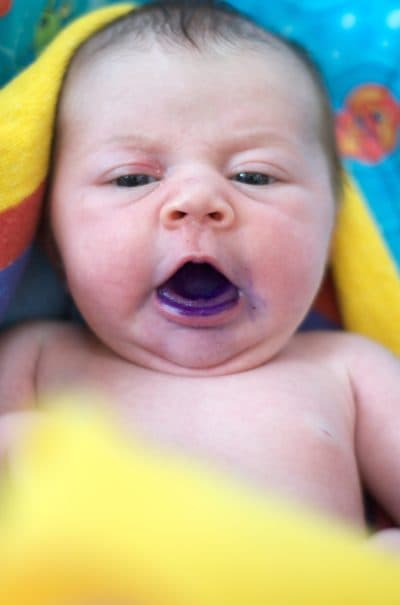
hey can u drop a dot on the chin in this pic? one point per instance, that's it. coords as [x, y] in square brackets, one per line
[212, 361]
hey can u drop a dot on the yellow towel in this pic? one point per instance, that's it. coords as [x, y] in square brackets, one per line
[88, 516]
[366, 276]
[27, 106]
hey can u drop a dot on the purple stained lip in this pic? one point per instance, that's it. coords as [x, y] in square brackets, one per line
[198, 289]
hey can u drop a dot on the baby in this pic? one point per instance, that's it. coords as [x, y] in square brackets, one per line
[191, 205]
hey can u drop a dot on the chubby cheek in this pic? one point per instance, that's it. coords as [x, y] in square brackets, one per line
[105, 267]
[289, 267]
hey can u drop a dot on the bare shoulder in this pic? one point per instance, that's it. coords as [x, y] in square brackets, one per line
[352, 350]
[372, 371]
[28, 339]
[372, 374]
[21, 350]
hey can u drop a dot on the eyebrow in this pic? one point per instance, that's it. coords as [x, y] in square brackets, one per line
[239, 139]
[260, 131]
[134, 141]
[261, 136]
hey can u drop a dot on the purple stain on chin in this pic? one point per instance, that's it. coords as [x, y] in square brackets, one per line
[197, 289]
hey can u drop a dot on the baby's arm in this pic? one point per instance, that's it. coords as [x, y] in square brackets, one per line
[20, 351]
[29, 354]
[19, 360]
[375, 378]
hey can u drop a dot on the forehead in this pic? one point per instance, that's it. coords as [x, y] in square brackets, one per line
[165, 90]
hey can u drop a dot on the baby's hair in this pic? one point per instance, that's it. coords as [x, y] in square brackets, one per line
[200, 25]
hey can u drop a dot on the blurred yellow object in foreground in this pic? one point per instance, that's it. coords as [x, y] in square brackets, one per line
[90, 515]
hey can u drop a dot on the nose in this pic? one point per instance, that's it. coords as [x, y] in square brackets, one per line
[197, 205]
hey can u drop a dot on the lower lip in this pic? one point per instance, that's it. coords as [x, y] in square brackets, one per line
[199, 317]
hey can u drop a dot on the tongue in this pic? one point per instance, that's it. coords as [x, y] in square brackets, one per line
[198, 289]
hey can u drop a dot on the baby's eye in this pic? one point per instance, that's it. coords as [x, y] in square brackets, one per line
[134, 180]
[253, 178]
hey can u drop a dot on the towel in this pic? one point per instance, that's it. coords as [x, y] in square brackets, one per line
[91, 515]
[27, 106]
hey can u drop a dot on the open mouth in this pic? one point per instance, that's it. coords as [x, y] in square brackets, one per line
[198, 289]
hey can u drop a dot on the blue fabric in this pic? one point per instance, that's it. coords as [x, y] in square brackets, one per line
[27, 26]
[39, 293]
[9, 279]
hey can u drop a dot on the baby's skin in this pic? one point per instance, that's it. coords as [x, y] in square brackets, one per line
[192, 210]
[305, 425]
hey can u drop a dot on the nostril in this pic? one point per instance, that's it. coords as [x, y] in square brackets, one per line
[177, 215]
[216, 216]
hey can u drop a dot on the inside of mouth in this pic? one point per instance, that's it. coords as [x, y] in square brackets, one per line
[198, 288]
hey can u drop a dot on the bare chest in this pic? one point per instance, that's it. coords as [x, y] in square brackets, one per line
[287, 429]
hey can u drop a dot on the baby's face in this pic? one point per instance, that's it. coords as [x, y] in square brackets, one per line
[192, 204]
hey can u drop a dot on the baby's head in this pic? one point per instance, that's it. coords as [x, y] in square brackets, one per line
[193, 187]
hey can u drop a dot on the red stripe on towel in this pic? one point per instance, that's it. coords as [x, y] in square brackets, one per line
[18, 226]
